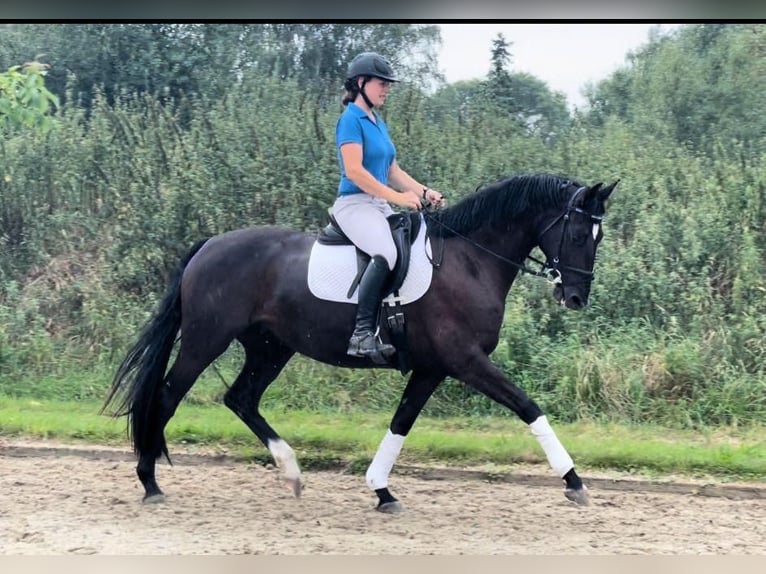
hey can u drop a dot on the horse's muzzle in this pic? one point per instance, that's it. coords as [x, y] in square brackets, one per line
[570, 298]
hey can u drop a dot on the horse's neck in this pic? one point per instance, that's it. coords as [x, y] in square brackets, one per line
[514, 245]
[502, 253]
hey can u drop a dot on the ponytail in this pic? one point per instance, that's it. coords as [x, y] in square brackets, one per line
[352, 91]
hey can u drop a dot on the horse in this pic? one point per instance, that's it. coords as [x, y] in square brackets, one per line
[250, 285]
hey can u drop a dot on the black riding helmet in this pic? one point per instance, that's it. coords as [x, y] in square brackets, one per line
[367, 65]
[371, 64]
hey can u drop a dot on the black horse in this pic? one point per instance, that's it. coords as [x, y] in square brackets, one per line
[250, 285]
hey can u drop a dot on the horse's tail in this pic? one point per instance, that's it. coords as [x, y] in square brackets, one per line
[143, 369]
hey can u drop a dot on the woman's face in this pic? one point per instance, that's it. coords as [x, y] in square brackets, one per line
[377, 90]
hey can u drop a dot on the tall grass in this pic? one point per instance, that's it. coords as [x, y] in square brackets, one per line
[329, 440]
[629, 376]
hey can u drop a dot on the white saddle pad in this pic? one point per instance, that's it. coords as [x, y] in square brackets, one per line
[332, 269]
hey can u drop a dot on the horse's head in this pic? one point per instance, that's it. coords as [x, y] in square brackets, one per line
[570, 239]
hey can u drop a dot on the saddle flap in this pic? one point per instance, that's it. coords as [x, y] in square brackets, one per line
[404, 230]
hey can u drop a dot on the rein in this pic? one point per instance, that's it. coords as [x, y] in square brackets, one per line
[544, 271]
[552, 273]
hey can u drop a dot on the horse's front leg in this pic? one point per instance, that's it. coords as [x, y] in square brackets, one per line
[478, 372]
[559, 459]
[417, 392]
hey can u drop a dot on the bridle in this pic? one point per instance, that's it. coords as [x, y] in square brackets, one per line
[550, 269]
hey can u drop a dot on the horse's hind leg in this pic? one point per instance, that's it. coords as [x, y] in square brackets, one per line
[185, 370]
[417, 392]
[264, 360]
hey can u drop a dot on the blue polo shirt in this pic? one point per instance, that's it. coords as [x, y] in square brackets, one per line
[378, 151]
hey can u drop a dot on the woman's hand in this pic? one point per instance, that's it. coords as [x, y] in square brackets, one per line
[433, 197]
[408, 199]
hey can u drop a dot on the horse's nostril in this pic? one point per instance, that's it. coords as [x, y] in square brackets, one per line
[574, 302]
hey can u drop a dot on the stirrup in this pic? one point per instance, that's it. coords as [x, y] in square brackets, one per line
[369, 345]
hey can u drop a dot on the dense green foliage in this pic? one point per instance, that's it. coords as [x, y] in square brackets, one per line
[24, 99]
[174, 59]
[96, 211]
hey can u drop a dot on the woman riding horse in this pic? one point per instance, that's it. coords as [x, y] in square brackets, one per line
[367, 159]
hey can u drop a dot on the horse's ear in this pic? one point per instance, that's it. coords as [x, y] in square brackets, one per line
[589, 194]
[604, 193]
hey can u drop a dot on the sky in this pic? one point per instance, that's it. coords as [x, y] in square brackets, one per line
[565, 56]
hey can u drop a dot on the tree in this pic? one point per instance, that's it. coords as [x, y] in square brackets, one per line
[24, 99]
[460, 100]
[527, 99]
[205, 60]
[542, 111]
[499, 83]
[700, 84]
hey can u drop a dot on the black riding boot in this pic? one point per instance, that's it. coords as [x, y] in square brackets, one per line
[364, 341]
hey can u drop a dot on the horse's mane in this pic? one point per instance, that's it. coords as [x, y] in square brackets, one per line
[496, 204]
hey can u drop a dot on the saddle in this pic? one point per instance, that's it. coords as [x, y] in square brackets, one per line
[404, 229]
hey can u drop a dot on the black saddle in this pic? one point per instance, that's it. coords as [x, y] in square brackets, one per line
[404, 229]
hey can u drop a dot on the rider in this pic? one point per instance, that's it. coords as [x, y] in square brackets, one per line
[369, 179]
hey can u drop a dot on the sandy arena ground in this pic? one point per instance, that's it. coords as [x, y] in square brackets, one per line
[62, 500]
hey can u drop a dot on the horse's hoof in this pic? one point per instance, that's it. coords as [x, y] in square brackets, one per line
[394, 507]
[154, 498]
[579, 496]
[295, 485]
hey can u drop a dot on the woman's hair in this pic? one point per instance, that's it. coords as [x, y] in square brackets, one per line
[352, 91]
